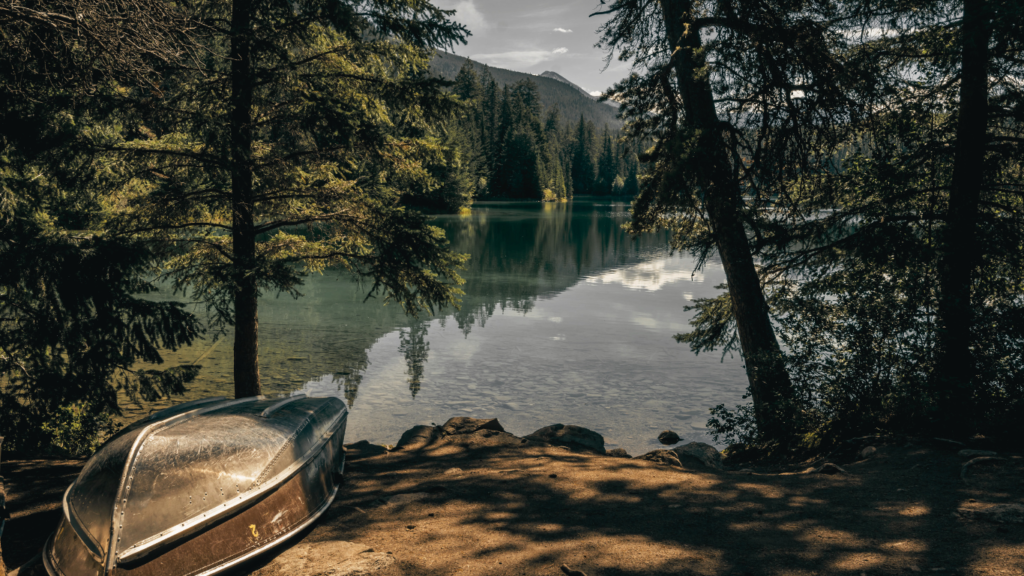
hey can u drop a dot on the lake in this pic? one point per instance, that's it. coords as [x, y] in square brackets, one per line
[566, 318]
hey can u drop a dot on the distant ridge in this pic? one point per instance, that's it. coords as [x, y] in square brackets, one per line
[560, 78]
[554, 90]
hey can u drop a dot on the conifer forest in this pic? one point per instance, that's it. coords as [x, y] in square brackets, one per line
[854, 168]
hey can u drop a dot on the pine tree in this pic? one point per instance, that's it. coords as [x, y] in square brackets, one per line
[696, 190]
[467, 84]
[583, 169]
[324, 127]
[607, 166]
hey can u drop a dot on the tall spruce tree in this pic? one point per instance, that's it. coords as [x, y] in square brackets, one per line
[607, 165]
[74, 317]
[288, 151]
[727, 137]
[583, 168]
[945, 134]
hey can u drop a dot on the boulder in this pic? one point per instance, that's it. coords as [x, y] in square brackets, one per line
[466, 425]
[669, 437]
[699, 453]
[363, 449]
[416, 437]
[618, 453]
[570, 436]
[335, 557]
[666, 457]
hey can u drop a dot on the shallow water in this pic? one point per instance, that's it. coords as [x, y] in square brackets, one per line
[565, 319]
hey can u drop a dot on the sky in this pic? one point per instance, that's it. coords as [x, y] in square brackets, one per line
[537, 35]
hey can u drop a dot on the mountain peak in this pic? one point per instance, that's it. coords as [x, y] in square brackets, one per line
[564, 80]
[553, 89]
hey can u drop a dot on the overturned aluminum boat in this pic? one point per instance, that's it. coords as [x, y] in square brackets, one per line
[199, 487]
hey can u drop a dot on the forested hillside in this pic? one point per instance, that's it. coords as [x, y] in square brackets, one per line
[567, 97]
[505, 144]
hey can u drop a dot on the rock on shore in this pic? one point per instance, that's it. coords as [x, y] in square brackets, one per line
[571, 436]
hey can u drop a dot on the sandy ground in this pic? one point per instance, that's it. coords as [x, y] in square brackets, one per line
[487, 503]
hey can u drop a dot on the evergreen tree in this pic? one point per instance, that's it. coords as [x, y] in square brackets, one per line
[583, 168]
[607, 166]
[696, 189]
[324, 126]
[74, 317]
[467, 84]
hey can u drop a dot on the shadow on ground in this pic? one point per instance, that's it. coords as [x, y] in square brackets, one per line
[486, 503]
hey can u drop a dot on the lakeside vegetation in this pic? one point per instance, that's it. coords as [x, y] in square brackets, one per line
[509, 146]
[855, 165]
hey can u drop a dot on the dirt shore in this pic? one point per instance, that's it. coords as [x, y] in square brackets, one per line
[488, 503]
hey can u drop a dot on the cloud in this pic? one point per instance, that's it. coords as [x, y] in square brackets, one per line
[596, 93]
[563, 30]
[467, 13]
[519, 58]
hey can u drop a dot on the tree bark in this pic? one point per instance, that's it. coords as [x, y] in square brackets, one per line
[243, 233]
[3, 514]
[954, 370]
[770, 386]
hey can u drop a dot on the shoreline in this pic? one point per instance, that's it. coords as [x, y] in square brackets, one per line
[469, 498]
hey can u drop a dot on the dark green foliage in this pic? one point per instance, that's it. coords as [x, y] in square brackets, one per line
[75, 321]
[881, 193]
[330, 125]
[607, 167]
[513, 149]
[584, 172]
[74, 328]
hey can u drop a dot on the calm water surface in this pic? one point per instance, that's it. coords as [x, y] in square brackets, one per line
[565, 319]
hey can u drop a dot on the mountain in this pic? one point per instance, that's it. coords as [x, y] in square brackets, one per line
[560, 78]
[554, 90]
[564, 80]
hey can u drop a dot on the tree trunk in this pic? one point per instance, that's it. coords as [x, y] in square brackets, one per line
[243, 233]
[3, 514]
[959, 258]
[770, 386]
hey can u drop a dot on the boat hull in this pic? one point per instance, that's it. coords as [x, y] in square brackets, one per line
[236, 536]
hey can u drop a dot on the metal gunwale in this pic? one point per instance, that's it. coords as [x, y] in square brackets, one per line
[278, 405]
[84, 535]
[144, 547]
[48, 563]
[190, 404]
